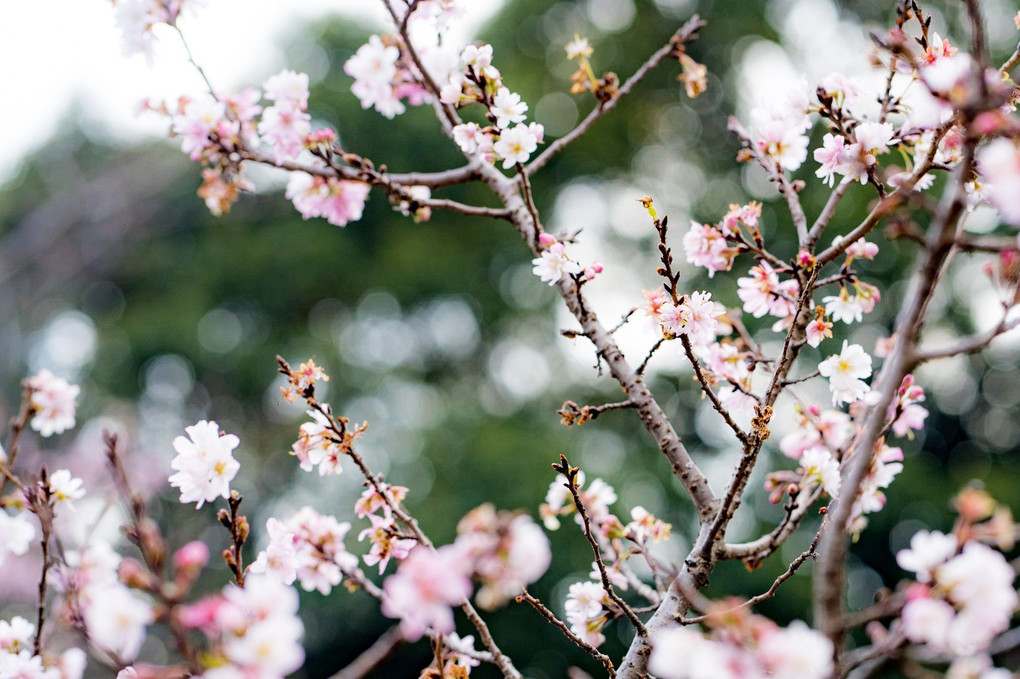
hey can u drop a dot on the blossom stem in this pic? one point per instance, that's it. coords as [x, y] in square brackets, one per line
[570, 473]
[373, 656]
[687, 33]
[544, 611]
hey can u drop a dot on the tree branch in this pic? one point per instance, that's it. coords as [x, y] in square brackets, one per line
[687, 33]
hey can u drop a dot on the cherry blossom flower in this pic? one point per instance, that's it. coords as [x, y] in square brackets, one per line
[259, 628]
[285, 127]
[16, 635]
[820, 468]
[927, 621]
[516, 144]
[559, 501]
[787, 146]
[469, 137]
[479, 59]
[204, 463]
[845, 372]
[374, 68]
[288, 86]
[817, 330]
[386, 545]
[578, 48]
[928, 550]
[585, 612]
[507, 108]
[695, 317]
[372, 501]
[999, 165]
[308, 547]
[64, 488]
[796, 652]
[762, 293]
[834, 157]
[874, 137]
[339, 201]
[685, 653]
[507, 551]
[53, 403]
[317, 447]
[844, 307]
[116, 619]
[197, 124]
[644, 526]
[553, 264]
[707, 247]
[423, 590]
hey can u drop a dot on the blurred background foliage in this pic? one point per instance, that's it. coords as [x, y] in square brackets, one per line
[437, 334]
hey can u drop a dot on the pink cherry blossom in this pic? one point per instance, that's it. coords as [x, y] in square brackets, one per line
[424, 588]
[999, 165]
[339, 201]
[707, 247]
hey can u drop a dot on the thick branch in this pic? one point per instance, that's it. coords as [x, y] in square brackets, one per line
[829, 579]
[968, 345]
[460, 175]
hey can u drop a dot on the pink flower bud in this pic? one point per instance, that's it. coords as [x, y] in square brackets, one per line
[918, 591]
[546, 239]
[988, 122]
[192, 556]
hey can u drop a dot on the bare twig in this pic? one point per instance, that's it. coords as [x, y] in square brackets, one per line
[373, 656]
[18, 424]
[771, 591]
[570, 473]
[460, 175]
[544, 611]
[40, 503]
[687, 33]
[651, 352]
[968, 345]
[829, 579]
[706, 389]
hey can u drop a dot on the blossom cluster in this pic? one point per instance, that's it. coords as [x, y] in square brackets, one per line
[588, 606]
[253, 632]
[740, 646]
[18, 660]
[963, 596]
[553, 263]
[307, 547]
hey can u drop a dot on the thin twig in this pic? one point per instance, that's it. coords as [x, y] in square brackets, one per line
[18, 424]
[828, 212]
[706, 389]
[968, 345]
[41, 504]
[687, 33]
[544, 611]
[771, 591]
[570, 473]
[651, 352]
[195, 64]
[373, 656]
[459, 175]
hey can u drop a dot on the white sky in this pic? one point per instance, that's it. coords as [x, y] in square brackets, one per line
[58, 54]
